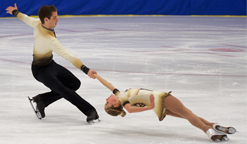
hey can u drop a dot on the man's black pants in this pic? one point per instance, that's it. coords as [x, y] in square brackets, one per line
[62, 83]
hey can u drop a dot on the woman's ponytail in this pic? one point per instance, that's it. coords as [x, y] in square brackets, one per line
[123, 113]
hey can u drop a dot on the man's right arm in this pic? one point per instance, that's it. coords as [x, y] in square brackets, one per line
[10, 9]
[28, 20]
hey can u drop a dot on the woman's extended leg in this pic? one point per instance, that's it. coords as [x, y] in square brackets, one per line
[175, 108]
[168, 112]
[174, 105]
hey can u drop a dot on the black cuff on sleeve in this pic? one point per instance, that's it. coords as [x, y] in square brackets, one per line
[15, 12]
[85, 69]
[126, 102]
[115, 91]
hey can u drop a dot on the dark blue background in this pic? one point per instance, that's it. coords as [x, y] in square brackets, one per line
[136, 7]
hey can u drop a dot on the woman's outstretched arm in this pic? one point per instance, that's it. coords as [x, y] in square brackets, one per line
[105, 83]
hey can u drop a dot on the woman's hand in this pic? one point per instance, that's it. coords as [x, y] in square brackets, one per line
[91, 73]
[10, 9]
[132, 109]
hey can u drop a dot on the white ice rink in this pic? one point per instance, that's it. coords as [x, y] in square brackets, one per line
[201, 59]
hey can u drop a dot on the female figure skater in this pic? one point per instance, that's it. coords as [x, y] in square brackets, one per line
[162, 103]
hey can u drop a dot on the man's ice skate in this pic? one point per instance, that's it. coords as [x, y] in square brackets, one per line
[40, 106]
[216, 136]
[226, 130]
[37, 113]
[92, 117]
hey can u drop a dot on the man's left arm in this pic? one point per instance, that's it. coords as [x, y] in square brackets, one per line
[57, 47]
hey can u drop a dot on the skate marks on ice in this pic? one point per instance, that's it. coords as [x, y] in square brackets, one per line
[198, 58]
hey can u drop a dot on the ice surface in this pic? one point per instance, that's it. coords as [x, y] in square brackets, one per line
[201, 59]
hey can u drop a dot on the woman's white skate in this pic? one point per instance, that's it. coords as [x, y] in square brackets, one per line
[216, 136]
[226, 130]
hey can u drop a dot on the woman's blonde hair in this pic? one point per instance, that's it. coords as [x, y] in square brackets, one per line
[115, 111]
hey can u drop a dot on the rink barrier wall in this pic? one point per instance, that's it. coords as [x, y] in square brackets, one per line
[131, 7]
[71, 16]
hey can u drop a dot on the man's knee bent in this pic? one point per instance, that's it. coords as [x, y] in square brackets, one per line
[76, 85]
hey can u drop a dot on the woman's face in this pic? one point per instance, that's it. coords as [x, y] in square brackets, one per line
[111, 100]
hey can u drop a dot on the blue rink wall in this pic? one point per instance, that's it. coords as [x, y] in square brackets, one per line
[126, 7]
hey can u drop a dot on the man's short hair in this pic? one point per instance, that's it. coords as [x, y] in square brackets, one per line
[46, 11]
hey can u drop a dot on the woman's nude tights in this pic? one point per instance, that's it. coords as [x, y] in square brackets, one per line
[175, 108]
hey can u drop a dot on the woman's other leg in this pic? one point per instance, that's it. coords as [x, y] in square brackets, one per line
[168, 112]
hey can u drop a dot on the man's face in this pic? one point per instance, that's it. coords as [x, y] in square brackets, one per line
[52, 22]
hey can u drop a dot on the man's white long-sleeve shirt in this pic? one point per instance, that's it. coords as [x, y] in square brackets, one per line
[45, 42]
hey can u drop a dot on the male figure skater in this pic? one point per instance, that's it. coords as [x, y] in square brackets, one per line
[61, 81]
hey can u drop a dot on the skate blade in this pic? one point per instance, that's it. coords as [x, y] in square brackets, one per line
[220, 138]
[94, 121]
[226, 130]
[37, 113]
